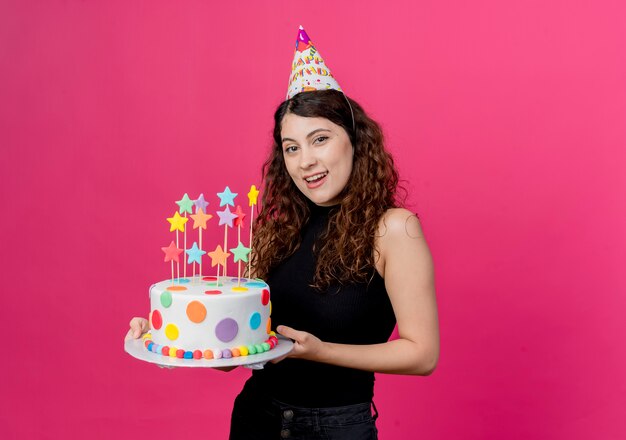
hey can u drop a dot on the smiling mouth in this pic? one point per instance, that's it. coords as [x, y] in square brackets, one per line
[316, 177]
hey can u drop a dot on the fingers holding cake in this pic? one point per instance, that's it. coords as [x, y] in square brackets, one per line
[306, 345]
[138, 326]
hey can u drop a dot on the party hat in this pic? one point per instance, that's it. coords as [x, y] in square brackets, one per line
[309, 71]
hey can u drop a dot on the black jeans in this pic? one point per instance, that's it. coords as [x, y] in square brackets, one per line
[258, 417]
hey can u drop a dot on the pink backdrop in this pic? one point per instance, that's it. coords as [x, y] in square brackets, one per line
[506, 120]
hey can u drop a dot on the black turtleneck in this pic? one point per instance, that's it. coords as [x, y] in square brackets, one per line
[352, 314]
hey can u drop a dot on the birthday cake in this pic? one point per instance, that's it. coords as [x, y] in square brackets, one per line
[209, 317]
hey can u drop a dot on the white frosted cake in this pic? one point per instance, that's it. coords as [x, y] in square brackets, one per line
[196, 318]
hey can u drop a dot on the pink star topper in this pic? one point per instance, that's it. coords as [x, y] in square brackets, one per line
[171, 252]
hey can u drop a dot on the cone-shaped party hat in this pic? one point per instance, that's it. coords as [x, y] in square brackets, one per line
[309, 71]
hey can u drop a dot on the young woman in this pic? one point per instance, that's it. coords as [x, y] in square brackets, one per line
[344, 264]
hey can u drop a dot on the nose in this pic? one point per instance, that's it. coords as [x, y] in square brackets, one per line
[307, 158]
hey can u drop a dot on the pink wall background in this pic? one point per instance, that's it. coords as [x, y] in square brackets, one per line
[507, 121]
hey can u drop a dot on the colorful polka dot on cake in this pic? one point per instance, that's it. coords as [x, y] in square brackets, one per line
[226, 330]
[196, 311]
[156, 321]
[265, 297]
[171, 332]
[166, 298]
[255, 320]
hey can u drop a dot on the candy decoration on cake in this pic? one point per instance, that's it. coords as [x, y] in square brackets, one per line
[199, 223]
[177, 223]
[184, 206]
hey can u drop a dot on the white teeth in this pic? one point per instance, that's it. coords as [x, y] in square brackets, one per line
[316, 177]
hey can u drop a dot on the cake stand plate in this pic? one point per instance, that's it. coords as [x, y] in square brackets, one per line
[136, 348]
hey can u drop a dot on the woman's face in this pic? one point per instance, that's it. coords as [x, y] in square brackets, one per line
[318, 156]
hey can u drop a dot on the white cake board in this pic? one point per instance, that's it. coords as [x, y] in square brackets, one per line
[137, 349]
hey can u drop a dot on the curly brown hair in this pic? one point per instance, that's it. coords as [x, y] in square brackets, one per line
[345, 251]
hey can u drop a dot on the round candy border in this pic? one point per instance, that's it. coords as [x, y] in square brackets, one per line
[226, 353]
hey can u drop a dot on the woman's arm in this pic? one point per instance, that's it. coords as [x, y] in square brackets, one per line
[406, 266]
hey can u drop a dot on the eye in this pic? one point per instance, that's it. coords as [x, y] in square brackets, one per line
[291, 149]
[320, 139]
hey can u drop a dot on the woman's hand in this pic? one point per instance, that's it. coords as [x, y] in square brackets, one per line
[305, 345]
[138, 326]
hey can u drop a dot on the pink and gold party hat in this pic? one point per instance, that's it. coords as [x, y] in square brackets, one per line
[309, 71]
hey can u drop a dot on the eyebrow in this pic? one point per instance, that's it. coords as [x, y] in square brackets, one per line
[317, 130]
